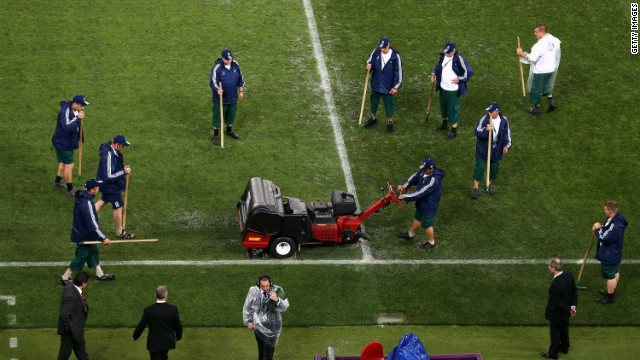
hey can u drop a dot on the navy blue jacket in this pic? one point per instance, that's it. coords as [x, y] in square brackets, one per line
[384, 79]
[231, 81]
[111, 170]
[428, 191]
[610, 238]
[85, 219]
[482, 135]
[460, 66]
[67, 132]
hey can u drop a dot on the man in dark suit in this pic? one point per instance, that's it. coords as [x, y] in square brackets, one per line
[165, 327]
[562, 303]
[73, 315]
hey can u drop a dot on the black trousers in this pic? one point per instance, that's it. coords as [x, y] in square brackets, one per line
[159, 355]
[559, 334]
[68, 343]
[265, 351]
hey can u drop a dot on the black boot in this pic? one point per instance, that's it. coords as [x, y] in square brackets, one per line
[552, 105]
[607, 299]
[453, 133]
[372, 121]
[442, 126]
[216, 137]
[231, 134]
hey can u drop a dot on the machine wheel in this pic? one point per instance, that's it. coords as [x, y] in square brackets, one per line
[282, 247]
[349, 237]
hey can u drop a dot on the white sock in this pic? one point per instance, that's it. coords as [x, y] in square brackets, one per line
[412, 234]
[67, 275]
[432, 242]
[99, 272]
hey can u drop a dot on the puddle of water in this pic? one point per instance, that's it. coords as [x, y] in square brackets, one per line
[391, 318]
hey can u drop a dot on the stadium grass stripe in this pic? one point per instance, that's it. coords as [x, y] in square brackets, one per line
[337, 131]
[309, 262]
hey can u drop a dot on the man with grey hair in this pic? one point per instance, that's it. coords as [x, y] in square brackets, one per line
[165, 327]
[562, 304]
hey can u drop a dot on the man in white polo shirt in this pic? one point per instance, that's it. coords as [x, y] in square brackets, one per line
[544, 59]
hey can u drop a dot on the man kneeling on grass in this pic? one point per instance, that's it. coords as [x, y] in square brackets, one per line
[428, 181]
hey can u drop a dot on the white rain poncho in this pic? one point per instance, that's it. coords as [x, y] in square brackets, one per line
[544, 58]
[265, 315]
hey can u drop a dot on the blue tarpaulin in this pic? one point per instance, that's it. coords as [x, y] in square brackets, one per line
[409, 348]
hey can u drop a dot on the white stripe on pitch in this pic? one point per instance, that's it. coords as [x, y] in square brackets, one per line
[309, 262]
[328, 95]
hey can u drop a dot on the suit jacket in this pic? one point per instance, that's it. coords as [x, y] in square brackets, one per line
[562, 295]
[72, 315]
[165, 326]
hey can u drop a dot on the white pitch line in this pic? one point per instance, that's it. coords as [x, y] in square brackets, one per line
[313, 262]
[11, 299]
[337, 130]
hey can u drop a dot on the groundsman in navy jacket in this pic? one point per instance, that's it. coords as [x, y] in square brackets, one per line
[231, 80]
[85, 219]
[389, 77]
[111, 170]
[460, 66]
[482, 135]
[428, 191]
[67, 133]
[610, 239]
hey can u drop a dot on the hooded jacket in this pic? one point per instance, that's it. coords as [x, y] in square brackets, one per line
[460, 66]
[610, 238]
[85, 219]
[231, 80]
[265, 315]
[428, 191]
[67, 133]
[384, 79]
[111, 170]
[482, 135]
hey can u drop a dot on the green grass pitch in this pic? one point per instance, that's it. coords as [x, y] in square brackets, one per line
[144, 67]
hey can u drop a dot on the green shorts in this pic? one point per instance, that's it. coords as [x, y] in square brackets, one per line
[228, 112]
[450, 105]
[387, 99]
[426, 221]
[480, 170]
[88, 254]
[65, 156]
[609, 271]
[541, 85]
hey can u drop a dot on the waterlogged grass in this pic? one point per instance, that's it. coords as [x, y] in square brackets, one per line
[144, 67]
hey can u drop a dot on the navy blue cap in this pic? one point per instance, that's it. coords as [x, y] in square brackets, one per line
[384, 42]
[449, 47]
[226, 54]
[493, 107]
[427, 164]
[91, 183]
[79, 99]
[119, 139]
